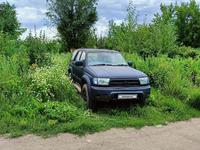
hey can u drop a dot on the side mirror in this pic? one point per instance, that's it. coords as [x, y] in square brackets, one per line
[79, 63]
[130, 63]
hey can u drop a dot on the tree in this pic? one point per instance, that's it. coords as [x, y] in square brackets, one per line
[147, 40]
[186, 17]
[8, 20]
[123, 36]
[73, 19]
[188, 23]
[162, 38]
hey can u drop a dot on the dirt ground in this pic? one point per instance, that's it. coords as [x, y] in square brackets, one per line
[176, 136]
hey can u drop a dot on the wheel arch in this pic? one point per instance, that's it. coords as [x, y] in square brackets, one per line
[85, 80]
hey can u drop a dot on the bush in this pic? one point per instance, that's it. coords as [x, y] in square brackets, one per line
[51, 83]
[175, 77]
[153, 39]
[14, 65]
[61, 112]
[48, 83]
[38, 51]
[193, 97]
[12, 81]
[9, 74]
[186, 52]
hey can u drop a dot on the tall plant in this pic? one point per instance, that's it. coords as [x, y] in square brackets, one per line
[73, 19]
[186, 18]
[8, 20]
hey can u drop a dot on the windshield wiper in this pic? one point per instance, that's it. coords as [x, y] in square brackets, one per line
[102, 65]
[120, 65]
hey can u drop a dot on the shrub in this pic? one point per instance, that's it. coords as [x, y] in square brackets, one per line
[194, 97]
[61, 112]
[37, 50]
[14, 64]
[10, 80]
[51, 83]
[175, 77]
[146, 40]
[53, 46]
[186, 52]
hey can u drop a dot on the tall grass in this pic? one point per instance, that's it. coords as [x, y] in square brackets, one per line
[36, 96]
[177, 77]
[49, 103]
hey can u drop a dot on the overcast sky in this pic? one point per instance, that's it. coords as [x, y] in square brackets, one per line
[32, 12]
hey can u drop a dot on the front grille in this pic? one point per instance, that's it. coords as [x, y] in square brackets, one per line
[124, 82]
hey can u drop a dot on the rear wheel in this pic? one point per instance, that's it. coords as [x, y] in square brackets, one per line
[91, 104]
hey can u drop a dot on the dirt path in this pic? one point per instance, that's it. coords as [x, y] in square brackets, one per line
[176, 136]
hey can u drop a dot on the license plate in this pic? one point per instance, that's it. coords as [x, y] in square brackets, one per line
[128, 96]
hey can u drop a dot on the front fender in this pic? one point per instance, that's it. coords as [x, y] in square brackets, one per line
[87, 79]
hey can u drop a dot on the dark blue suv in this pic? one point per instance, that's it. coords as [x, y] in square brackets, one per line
[104, 75]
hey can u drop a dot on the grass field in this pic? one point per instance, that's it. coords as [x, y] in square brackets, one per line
[49, 105]
[37, 97]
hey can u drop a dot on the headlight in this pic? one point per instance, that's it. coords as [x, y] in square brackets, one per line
[144, 81]
[101, 81]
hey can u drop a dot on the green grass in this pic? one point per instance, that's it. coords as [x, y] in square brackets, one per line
[45, 103]
[31, 118]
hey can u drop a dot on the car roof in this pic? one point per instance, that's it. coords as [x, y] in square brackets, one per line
[96, 50]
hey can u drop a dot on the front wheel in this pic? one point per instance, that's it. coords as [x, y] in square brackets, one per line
[91, 104]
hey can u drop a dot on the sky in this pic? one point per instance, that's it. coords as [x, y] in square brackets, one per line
[31, 13]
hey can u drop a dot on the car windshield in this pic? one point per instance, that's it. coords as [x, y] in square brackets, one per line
[105, 59]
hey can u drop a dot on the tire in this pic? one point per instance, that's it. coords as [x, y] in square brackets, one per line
[91, 103]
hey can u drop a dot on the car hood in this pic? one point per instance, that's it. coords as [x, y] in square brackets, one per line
[115, 72]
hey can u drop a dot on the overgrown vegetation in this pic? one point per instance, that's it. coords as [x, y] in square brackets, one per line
[37, 97]
[186, 18]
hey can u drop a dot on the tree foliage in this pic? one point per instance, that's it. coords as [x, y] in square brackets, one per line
[152, 39]
[8, 20]
[187, 20]
[73, 19]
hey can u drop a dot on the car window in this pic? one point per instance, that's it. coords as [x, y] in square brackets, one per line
[82, 56]
[74, 55]
[105, 58]
[78, 56]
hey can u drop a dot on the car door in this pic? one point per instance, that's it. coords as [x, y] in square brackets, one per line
[75, 69]
[80, 69]
[70, 70]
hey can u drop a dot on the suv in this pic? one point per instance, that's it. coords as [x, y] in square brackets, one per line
[104, 75]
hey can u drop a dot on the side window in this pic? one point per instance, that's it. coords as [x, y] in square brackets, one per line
[82, 56]
[74, 55]
[78, 56]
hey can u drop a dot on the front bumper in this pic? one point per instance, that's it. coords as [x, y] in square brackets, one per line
[111, 93]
